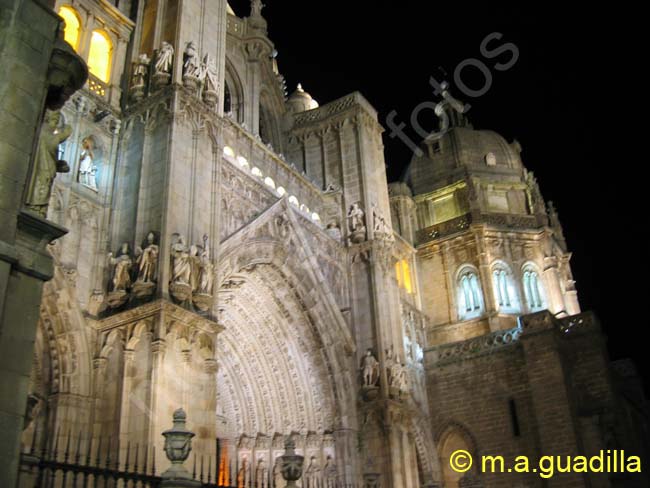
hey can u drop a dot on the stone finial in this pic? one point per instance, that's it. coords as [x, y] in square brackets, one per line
[178, 445]
[291, 466]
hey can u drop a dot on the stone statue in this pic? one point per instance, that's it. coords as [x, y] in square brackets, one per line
[191, 64]
[390, 363]
[312, 474]
[370, 369]
[181, 266]
[256, 8]
[164, 59]
[243, 476]
[47, 163]
[356, 223]
[147, 260]
[140, 68]
[121, 263]
[206, 273]
[329, 473]
[402, 380]
[407, 347]
[261, 474]
[87, 168]
[380, 226]
[209, 74]
[278, 480]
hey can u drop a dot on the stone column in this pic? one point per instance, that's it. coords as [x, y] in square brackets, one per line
[46, 77]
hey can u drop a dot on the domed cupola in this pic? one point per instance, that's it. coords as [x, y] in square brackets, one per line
[301, 101]
[460, 150]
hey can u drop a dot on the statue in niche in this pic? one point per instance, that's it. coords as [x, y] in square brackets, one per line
[329, 473]
[191, 67]
[243, 476]
[87, 168]
[380, 227]
[140, 69]
[312, 474]
[181, 270]
[46, 162]
[356, 223]
[163, 65]
[203, 297]
[209, 76]
[407, 347]
[390, 363]
[139, 76]
[261, 474]
[370, 370]
[147, 264]
[164, 59]
[121, 275]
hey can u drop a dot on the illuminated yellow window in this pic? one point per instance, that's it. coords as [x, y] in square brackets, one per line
[72, 26]
[406, 271]
[403, 272]
[99, 56]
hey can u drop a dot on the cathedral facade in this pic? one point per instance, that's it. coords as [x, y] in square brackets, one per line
[237, 251]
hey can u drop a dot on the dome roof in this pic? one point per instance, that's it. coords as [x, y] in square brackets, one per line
[301, 101]
[461, 147]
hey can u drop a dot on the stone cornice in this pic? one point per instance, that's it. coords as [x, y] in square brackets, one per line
[154, 308]
[353, 102]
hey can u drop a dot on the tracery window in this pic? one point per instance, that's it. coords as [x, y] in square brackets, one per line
[533, 288]
[470, 296]
[504, 292]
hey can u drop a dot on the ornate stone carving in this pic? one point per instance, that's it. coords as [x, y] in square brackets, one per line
[87, 167]
[203, 296]
[181, 270]
[178, 445]
[379, 226]
[147, 265]
[163, 65]
[121, 265]
[47, 163]
[209, 78]
[191, 67]
[356, 223]
[370, 370]
[138, 77]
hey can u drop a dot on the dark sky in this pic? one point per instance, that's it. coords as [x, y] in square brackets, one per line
[571, 100]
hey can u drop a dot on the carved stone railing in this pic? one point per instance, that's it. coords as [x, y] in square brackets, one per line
[478, 346]
[513, 221]
[577, 323]
[333, 108]
[97, 87]
[444, 229]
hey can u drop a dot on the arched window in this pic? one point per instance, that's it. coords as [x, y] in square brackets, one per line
[533, 289]
[470, 297]
[72, 28]
[504, 291]
[99, 56]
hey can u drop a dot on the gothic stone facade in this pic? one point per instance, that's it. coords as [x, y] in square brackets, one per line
[239, 253]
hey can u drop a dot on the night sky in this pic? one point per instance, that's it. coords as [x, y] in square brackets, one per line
[570, 100]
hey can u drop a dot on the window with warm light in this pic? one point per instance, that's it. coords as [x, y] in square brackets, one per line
[99, 56]
[72, 26]
[403, 272]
